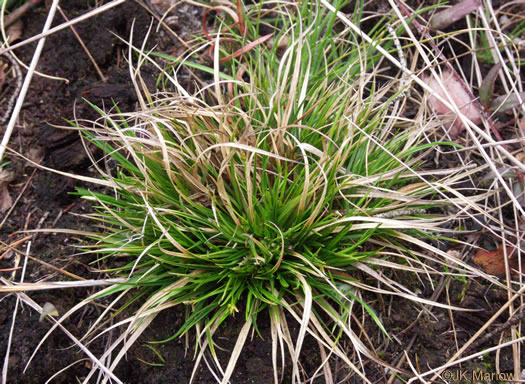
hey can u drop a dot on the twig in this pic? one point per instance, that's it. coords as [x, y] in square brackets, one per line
[28, 218]
[404, 90]
[454, 359]
[39, 225]
[10, 247]
[97, 68]
[59, 215]
[13, 97]
[56, 269]
[402, 359]
[509, 323]
[27, 81]
[61, 212]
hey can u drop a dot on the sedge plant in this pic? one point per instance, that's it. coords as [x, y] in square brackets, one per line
[267, 192]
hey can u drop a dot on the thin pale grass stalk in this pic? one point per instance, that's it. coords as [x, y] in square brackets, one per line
[27, 80]
[28, 287]
[97, 323]
[506, 57]
[239, 344]
[58, 373]
[15, 311]
[27, 300]
[53, 30]
[84, 47]
[515, 87]
[10, 55]
[325, 365]
[93, 180]
[318, 332]
[516, 350]
[200, 352]
[420, 376]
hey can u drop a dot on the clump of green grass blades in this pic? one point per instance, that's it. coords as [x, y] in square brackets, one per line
[263, 193]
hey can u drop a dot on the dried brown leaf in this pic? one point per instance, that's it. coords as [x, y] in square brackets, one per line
[493, 262]
[459, 96]
[507, 102]
[5, 198]
[449, 16]
[15, 31]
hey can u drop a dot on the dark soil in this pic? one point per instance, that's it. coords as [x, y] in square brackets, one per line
[47, 203]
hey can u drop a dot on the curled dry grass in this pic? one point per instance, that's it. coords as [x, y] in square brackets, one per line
[269, 191]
